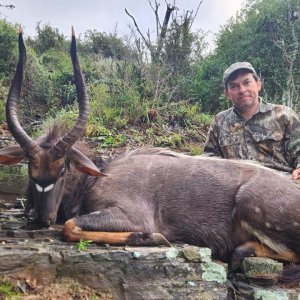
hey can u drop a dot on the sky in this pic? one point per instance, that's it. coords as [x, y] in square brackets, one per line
[106, 15]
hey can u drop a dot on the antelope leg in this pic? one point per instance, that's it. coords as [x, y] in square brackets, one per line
[73, 233]
[257, 249]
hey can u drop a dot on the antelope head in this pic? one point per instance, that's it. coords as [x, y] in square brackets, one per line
[47, 161]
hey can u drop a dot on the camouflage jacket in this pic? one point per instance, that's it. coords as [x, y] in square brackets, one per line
[271, 137]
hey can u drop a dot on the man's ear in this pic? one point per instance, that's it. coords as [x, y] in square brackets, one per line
[83, 163]
[226, 93]
[11, 155]
[259, 84]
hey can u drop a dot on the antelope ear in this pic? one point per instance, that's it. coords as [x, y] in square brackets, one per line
[11, 155]
[83, 163]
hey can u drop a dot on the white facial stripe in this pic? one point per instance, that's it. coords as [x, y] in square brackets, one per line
[39, 188]
[46, 189]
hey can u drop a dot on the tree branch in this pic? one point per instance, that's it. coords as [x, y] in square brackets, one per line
[161, 38]
[196, 13]
[9, 6]
[138, 29]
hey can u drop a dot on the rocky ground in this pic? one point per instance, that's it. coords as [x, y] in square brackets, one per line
[37, 264]
[15, 287]
[69, 290]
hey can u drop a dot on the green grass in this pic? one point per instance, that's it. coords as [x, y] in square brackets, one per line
[7, 290]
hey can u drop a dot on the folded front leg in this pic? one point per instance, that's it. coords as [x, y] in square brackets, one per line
[102, 228]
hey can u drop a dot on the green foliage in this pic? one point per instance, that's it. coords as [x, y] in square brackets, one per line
[123, 86]
[179, 46]
[118, 140]
[60, 72]
[3, 96]
[83, 245]
[109, 138]
[94, 297]
[109, 45]
[8, 47]
[193, 115]
[261, 33]
[47, 38]
[65, 118]
[37, 91]
[204, 119]
[195, 149]
[37, 87]
[7, 290]
[117, 102]
[208, 83]
[173, 141]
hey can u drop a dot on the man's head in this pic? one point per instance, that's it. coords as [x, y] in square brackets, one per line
[241, 86]
[233, 70]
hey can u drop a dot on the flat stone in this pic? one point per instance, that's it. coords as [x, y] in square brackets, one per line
[150, 253]
[214, 271]
[196, 254]
[262, 268]
[263, 294]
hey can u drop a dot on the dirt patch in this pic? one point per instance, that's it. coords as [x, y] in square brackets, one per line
[14, 288]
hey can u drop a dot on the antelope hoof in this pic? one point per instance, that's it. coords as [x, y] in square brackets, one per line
[148, 239]
[237, 257]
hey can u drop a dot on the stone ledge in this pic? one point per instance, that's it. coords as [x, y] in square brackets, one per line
[126, 272]
[178, 272]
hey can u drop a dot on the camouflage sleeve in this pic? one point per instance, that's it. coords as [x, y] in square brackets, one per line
[212, 146]
[293, 142]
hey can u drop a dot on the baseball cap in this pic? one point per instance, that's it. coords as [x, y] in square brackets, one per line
[237, 66]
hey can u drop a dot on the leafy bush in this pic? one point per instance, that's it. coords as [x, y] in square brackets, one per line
[60, 70]
[37, 86]
[8, 291]
[47, 38]
[8, 48]
[3, 96]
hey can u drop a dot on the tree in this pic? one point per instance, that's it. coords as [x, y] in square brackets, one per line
[47, 38]
[109, 45]
[161, 30]
[8, 44]
[171, 52]
[265, 33]
[288, 44]
[8, 50]
[156, 47]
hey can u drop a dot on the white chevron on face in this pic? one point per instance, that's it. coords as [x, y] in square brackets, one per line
[46, 189]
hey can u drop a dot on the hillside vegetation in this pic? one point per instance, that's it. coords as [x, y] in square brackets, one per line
[160, 92]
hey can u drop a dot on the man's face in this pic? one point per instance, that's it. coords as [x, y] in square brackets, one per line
[243, 91]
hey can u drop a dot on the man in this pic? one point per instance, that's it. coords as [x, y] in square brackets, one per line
[252, 129]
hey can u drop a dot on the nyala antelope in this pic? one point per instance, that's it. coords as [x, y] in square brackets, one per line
[153, 196]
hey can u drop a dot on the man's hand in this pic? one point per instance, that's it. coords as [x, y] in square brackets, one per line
[296, 174]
